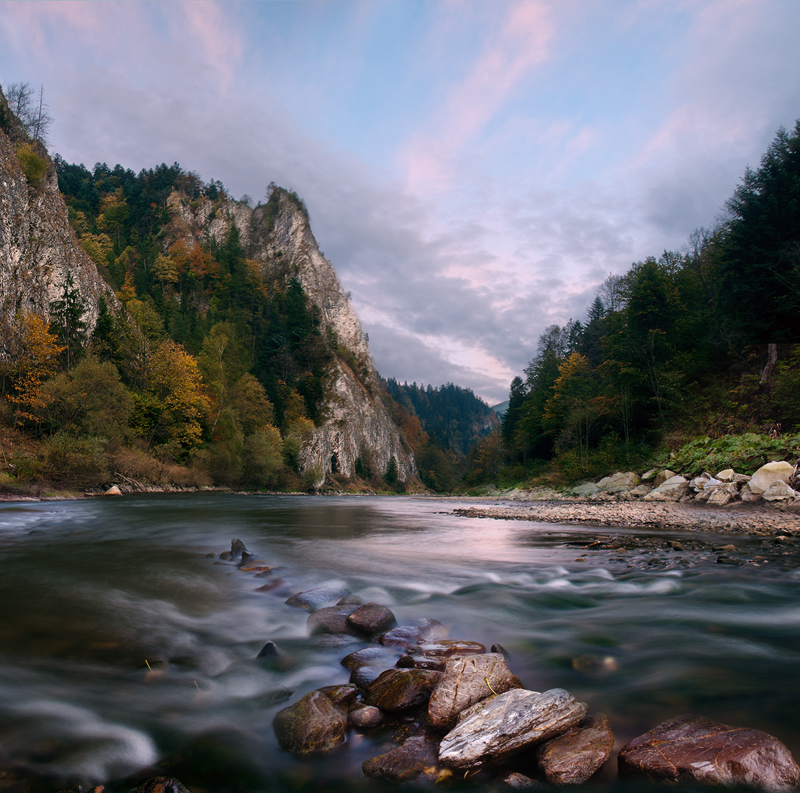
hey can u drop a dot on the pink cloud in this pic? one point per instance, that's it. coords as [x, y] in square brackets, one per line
[220, 43]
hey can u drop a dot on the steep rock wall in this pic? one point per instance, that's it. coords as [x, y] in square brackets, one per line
[38, 247]
[356, 423]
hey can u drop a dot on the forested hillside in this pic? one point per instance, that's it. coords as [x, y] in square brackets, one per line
[698, 343]
[442, 425]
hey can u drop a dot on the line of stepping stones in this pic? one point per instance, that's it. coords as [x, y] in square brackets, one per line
[454, 709]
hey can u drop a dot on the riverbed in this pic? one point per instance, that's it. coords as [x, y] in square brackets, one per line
[128, 647]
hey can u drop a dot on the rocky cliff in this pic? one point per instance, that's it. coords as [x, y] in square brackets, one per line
[278, 237]
[38, 248]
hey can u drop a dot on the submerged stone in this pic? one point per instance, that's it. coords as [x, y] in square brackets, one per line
[312, 724]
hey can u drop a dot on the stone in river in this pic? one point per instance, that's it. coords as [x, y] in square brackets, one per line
[312, 724]
[369, 656]
[314, 598]
[691, 748]
[269, 650]
[466, 681]
[332, 619]
[362, 676]
[577, 755]
[500, 726]
[342, 694]
[434, 655]
[372, 618]
[237, 547]
[405, 635]
[161, 784]
[414, 757]
[365, 717]
[398, 690]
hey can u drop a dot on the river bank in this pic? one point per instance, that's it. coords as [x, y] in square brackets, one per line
[734, 518]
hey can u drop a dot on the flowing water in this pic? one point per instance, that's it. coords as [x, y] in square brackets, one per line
[126, 651]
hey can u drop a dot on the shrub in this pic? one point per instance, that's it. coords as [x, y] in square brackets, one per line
[76, 462]
[33, 165]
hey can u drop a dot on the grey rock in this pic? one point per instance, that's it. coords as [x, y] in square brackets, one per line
[663, 476]
[778, 491]
[362, 676]
[503, 725]
[776, 471]
[578, 754]
[365, 717]
[406, 635]
[691, 748]
[466, 681]
[313, 599]
[370, 656]
[332, 619]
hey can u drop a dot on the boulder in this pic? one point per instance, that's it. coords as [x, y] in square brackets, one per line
[672, 489]
[503, 725]
[746, 494]
[315, 598]
[584, 490]
[769, 473]
[723, 494]
[779, 491]
[466, 681]
[341, 695]
[690, 748]
[115, 491]
[619, 482]
[332, 619]
[405, 635]
[415, 757]
[577, 755]
[312, 724]
[663, 476]
[372, 618]
[726, 475]
[399, 690]
[237, 547]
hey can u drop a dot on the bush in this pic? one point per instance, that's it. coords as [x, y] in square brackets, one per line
[75, 462]
[33, 165]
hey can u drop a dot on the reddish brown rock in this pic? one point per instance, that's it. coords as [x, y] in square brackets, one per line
[466, 681]
[399, 690]
[312, 724]
[577, 755]
[372, 618]
[342, 695]
[692, 748]
[416, 757]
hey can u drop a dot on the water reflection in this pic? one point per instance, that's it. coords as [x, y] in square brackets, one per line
[123, 645]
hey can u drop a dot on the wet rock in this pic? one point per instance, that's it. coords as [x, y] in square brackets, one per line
[434, 655]
[313, 599]
[372, 618]
[466, 681]
[577, 755]
[341, 695]
[369, 656]
[362, 676]
[521, 782]
[332, 619]
[312, 724]
[269, 651]
[692, 748]
[255, 566]
[498, 648]
[349, 600]
[399, 690]
[422, 631]
[365, 717]
[161, 784]
[277, 586]
[416, 756]
[503, 725]
[237, 547]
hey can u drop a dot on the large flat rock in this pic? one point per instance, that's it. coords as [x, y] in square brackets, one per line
[692, 748]
[503, 725]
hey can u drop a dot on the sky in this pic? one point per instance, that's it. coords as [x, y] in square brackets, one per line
[473, 169]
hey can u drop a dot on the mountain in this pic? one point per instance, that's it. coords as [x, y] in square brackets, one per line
[186, 293]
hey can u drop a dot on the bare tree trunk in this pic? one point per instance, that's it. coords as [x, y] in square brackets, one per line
[772, 360]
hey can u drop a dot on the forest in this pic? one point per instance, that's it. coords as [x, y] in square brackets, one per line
[688, 349]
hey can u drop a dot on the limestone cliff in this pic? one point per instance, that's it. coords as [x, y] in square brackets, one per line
[278, 237]
[38, 247]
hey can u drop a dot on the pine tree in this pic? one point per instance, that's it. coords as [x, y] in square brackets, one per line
[66, 322]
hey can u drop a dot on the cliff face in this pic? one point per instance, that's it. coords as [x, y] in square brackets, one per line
[38, 247]
[356, 424]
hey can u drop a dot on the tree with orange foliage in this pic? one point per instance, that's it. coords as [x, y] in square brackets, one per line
[33, 357]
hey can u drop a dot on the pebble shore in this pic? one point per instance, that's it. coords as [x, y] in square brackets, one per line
[736, 518]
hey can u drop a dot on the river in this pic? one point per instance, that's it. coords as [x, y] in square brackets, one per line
[127, 650]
